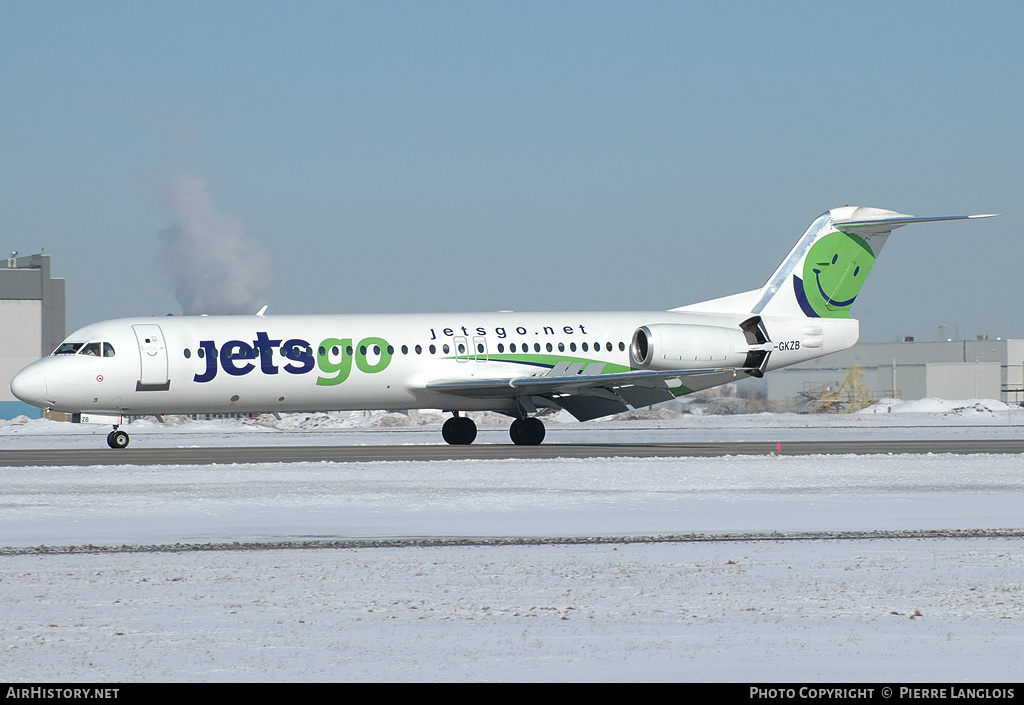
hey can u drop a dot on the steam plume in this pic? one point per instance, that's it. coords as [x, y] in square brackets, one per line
[212, 266]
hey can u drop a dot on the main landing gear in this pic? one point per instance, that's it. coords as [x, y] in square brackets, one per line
[461, 431]
[458, 430]
[527, 432]
[117, 439]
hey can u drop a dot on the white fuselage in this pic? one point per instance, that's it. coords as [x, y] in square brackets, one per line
[223, 364]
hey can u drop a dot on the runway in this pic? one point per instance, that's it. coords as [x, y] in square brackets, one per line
[493, 451]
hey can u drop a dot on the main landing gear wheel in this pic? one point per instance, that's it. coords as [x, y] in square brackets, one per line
[117, 439]
[459, 431]
[527, 432]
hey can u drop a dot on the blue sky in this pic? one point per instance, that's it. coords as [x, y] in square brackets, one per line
[447, 156]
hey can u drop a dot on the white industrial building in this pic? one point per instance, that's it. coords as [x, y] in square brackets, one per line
[954, 369]
[31, 322]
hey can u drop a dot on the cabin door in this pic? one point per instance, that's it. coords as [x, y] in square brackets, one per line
[153, 354]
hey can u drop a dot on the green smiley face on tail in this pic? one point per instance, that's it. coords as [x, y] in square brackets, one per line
[834, 271]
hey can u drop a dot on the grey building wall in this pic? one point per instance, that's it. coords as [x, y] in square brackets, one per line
[31, 322]
[961, 369]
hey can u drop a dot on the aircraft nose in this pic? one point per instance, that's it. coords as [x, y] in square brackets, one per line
[29, 385]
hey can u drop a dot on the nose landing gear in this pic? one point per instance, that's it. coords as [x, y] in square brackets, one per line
[117, 439]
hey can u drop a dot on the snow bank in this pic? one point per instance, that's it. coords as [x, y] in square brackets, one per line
[945, 407]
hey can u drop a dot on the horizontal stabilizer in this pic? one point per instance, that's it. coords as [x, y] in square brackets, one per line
[889, 223]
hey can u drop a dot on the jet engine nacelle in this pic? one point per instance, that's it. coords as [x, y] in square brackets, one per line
[675, 346]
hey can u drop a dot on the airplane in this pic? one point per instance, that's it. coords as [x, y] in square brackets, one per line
[590, 364]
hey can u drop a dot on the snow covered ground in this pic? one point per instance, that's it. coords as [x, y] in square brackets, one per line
[826, 609]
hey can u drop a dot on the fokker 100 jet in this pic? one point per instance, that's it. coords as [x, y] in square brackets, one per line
[590, 364]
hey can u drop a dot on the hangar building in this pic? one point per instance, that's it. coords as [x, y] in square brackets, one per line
[31, 322]
[954, 369]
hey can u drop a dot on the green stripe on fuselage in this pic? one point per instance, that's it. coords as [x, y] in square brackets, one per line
[542, 360]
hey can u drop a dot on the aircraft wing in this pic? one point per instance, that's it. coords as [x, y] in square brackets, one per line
[589, 396]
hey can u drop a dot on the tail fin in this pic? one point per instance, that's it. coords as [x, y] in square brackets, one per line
[824, 273]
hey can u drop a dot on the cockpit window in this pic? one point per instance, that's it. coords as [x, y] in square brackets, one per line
[67, 349]
[93, 349]
[108, 350]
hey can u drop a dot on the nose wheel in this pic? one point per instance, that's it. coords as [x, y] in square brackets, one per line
[117, 439]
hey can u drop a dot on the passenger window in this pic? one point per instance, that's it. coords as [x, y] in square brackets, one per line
[93, 349]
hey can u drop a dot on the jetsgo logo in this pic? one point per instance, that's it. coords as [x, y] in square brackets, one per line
[334, 357]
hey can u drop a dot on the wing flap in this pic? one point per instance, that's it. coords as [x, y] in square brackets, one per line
[644, 396]
[588, 408]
